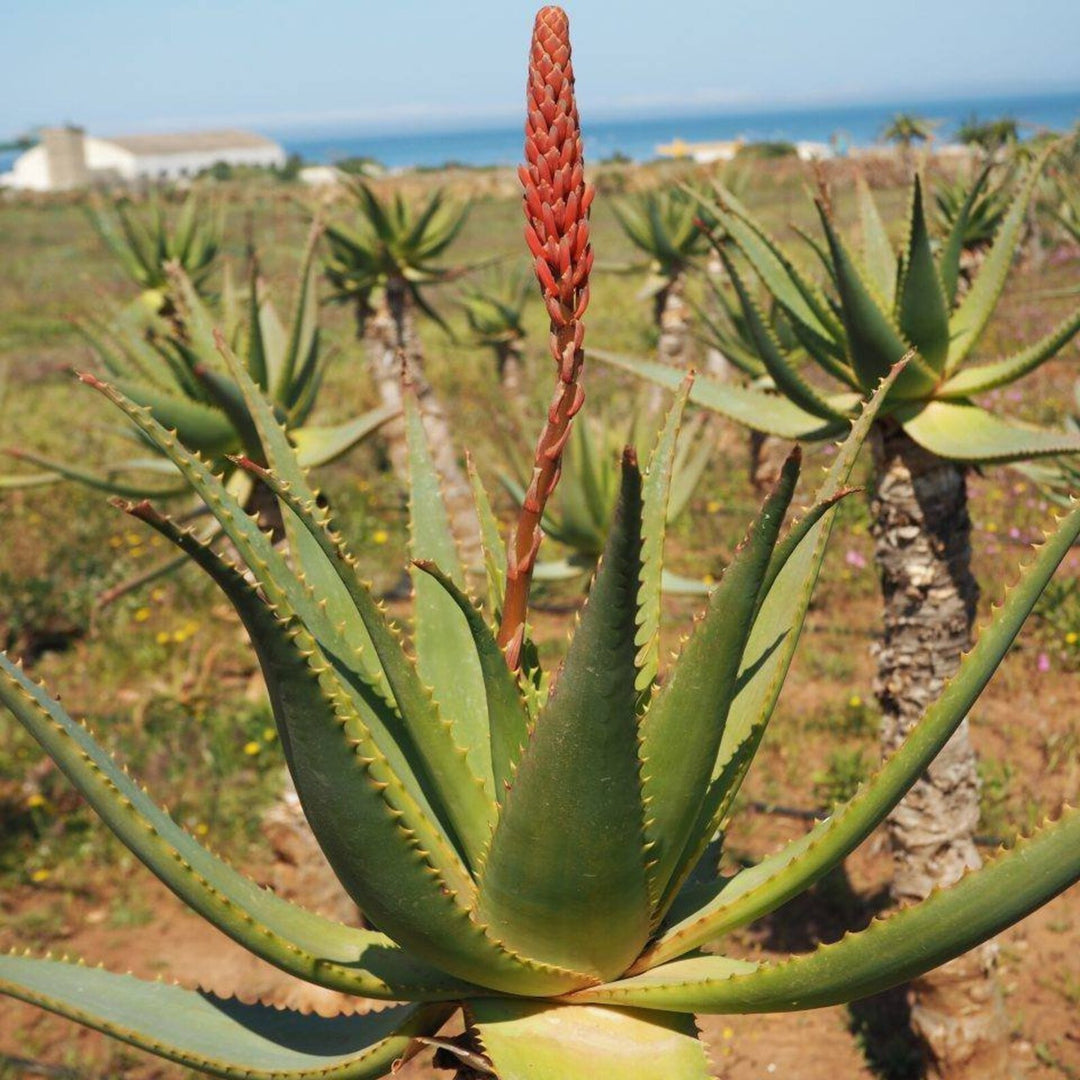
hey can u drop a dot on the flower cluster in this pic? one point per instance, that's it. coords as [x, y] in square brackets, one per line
[556, 202]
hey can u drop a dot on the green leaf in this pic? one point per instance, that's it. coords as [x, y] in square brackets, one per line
[793, 291]
[953, 247]
[784, 373]
[304, 332]
[655, 491]
[961, 431]
[220, 1036]
[529, 1041]
[770, 413]
[320, 445]
[921, 309]
[878, 254]
[564, 880]
[458, 795]
[874, 343]
[970, 318]
[764, 887]
[980, 378]
[105, 481]
[494, 549]
[768, 654]
[508, 718]
[444, 647]
[682, 730]
[889, 952]
[200, 427]
[388, 850]
[306, 945]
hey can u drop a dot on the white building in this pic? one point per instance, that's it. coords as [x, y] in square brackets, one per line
[68, 158]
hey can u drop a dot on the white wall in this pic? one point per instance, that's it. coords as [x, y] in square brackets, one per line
[102, 155]
[29, 172]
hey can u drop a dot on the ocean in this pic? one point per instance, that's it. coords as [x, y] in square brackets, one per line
[638, 137]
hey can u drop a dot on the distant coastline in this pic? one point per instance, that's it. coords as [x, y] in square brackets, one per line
[636, 138]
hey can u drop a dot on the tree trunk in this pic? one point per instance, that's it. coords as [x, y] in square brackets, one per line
[511, 368]
[674, 345]
[923, 550]
[392, 340]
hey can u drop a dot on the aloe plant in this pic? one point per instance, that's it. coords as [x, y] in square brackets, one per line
[144, 244]
[383, 263]
[877, 305]
[494, 310]
[527, 845]
[589, 486]
[984, 206]
[173, 368]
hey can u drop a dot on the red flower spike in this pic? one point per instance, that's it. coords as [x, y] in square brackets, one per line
[556, 203]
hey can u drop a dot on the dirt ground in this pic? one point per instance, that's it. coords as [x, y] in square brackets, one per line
[1039, 959]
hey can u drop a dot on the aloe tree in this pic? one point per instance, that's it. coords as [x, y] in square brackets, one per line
[589, 485]
[494, 310]
[905, 129]
[172, 366]
[382, 263]
[145, 244]
[527, 846]
[878, 306]
[984, 204]
[664, 226]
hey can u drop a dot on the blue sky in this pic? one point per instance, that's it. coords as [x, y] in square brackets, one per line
[128, 65]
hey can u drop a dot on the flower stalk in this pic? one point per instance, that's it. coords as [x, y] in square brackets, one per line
[556, 203]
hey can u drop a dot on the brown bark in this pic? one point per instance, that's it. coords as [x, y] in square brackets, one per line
[511, 367]
[675, 344]
[922, 532]
[392, 340]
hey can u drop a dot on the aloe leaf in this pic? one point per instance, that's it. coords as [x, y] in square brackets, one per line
[787, 378]
[306, 945]
[220, 1036]
[961, 431]
[792, 290]
[762, 888]
[445, 654]
[969, 319]
[655, 492]
[459, 796]
[508, 718]
[320, 445]
[564, 879]
[530, 1041]
[320, 569]
[494, 550]
[255, 357]
[389, 851]
[769, 650]
[303, 336]
[693, 452]
[771, 413]
[682, 730]
[921, 310]
[889, 952]
[953, 247]
[980, 378]
[878, 256]
[874, 343]
[103, 481]
[203, 428]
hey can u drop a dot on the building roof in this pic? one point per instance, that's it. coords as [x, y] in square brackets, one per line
[193, 142]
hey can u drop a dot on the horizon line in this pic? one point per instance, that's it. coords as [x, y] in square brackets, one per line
[417, 118]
